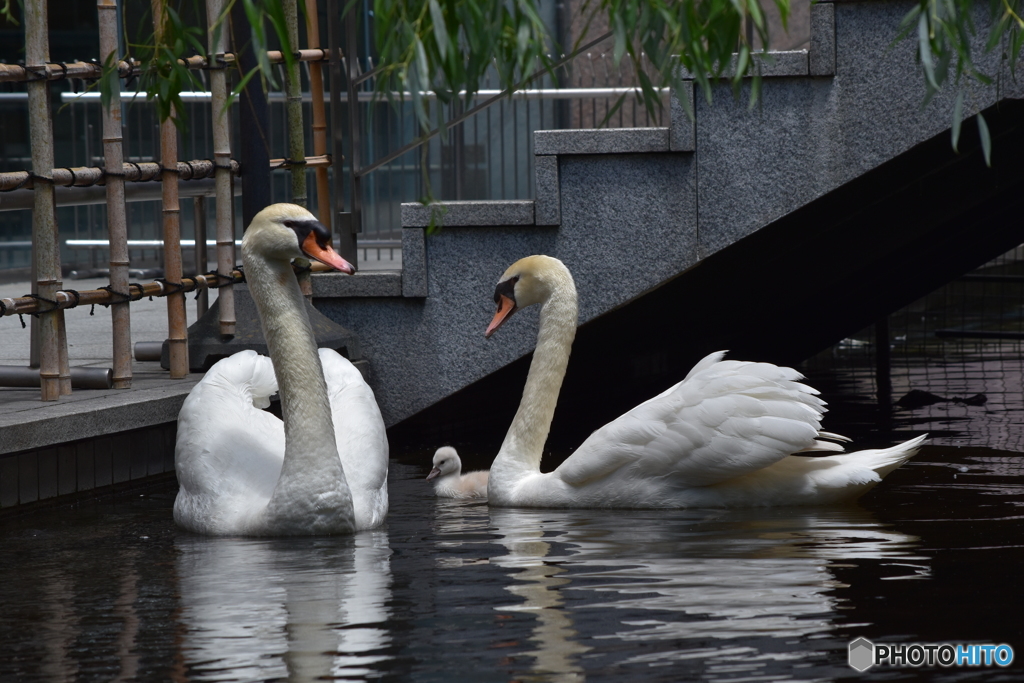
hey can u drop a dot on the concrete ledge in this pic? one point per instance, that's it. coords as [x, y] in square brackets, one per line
[414, 263]
[682, 128]
[777, 64]
[496, 212]
[601, 141]
[92, 413]
[548, 202]
[781, 64]
[821, 58]
[363, 284]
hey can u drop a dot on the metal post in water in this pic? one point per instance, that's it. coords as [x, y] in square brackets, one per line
[225, 217]
[177, 332]
[45, 236]
[117, 226]
[316, 87]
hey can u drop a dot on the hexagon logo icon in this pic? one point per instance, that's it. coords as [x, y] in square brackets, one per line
[862, 654]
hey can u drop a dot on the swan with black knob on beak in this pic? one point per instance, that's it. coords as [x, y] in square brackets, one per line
[323, 468]
[728, 435]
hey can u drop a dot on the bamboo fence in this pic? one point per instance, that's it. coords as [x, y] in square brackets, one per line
[49, 299]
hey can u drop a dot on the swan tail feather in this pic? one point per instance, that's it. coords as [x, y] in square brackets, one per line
[885, 460]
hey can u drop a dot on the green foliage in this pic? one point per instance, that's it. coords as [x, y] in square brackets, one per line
[948, 42]
[260, 13]
[447, 46]
[700, 36]
[7, 12]
[109, 84]
[163, 76]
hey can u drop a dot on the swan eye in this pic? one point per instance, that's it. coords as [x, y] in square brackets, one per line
[302, 228]
[506, 289]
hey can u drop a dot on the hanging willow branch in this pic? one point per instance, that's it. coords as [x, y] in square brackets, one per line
[165, 61]
[946, 36]
[707, 40]
[446, 46]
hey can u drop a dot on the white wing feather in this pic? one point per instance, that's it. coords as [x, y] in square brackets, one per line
[724, 420]
[229, 452]
[361, 438]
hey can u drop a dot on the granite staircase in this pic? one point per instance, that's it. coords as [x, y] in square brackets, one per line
[772, 231]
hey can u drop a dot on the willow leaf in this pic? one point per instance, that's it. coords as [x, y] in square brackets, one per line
[958, 112]
[440, 30]
[986, 140]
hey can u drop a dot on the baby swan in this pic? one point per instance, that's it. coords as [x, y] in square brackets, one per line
[450, 482]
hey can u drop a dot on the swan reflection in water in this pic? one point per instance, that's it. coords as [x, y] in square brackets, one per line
[299, 609]
[696, 581]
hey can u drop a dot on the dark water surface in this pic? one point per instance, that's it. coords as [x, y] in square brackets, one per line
[450, 591]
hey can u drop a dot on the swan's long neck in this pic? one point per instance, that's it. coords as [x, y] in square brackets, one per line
[312, 487]
[523, 447]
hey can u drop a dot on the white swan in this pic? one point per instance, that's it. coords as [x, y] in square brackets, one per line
[240, 469]
[722, 437]
[450, 482]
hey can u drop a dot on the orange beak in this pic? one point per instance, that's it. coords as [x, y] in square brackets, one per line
[325, 255]
[506, 307]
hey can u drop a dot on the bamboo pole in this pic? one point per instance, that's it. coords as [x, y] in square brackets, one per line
[225, 219]
[29, 305]
[293, 107]
[316, 89]
[55, 71]
[177, 329]
[117, 225]
[45, 236]
[133, 172]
